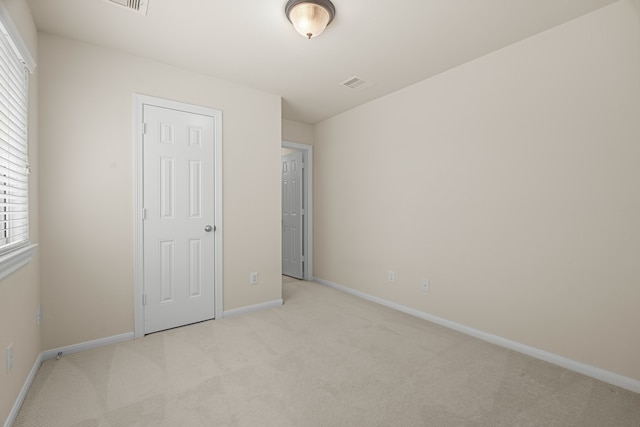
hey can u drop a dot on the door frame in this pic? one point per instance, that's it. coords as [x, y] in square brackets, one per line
[307, 157]
[138, 127]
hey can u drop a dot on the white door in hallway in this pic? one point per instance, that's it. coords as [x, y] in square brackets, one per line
[179, 218]
[292, 215]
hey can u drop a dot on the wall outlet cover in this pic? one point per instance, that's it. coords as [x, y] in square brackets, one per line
[253, 278]
[9, 357]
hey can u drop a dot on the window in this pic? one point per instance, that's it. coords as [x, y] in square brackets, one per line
[15, 247]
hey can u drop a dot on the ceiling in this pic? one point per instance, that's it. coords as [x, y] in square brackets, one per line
[389, 43]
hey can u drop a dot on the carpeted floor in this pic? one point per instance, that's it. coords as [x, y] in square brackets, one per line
[325, 358]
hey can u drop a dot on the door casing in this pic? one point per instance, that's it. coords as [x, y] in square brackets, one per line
[139, 102]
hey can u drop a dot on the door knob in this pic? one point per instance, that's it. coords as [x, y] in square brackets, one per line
[208, 228]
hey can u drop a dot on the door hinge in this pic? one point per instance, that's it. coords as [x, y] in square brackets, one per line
[144, 299]
[144, 128]
[144, 213]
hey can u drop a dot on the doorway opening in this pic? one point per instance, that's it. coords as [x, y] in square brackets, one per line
[297, 245]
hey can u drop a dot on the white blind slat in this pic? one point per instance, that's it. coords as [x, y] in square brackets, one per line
[12, 123]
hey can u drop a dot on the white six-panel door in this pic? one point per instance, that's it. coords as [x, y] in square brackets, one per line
[179, 218]
[292, 215]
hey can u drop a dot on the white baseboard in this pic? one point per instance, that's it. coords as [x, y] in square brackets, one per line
[250, 308]
[23, 393]
[88, 345]
[51, 354]
[582, 368]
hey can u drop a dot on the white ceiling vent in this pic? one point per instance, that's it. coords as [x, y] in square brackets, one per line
[139, 6]
[356, 83]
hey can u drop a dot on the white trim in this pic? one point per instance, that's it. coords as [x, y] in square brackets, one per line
[138, 263]
[307, 152]
[87, 345]
[52, 354]
[255, 307]
[139, 102]
[219, 233]
[14, 260]
[23, 392]
[582, 368]
[16, 39]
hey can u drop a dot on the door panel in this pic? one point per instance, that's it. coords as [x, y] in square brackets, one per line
[292, 216]
[178, 174]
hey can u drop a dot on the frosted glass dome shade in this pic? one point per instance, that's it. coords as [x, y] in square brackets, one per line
[309, 18]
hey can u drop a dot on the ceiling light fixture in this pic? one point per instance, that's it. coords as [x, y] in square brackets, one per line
[310, 17]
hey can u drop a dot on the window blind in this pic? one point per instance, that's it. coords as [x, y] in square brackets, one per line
[14, 167]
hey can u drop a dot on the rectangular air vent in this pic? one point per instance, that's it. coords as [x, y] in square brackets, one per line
[139, 6]
[356, 83]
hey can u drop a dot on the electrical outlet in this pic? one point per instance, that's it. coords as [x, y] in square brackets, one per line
[392, 276]
[9, 357]
[426, 285]
[253, 278]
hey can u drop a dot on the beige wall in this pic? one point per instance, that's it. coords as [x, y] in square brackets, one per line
[511, 183]
[301, 133]
[86, 171]
[20, 292]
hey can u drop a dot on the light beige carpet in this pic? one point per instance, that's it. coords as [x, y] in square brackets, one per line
[325, 358]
